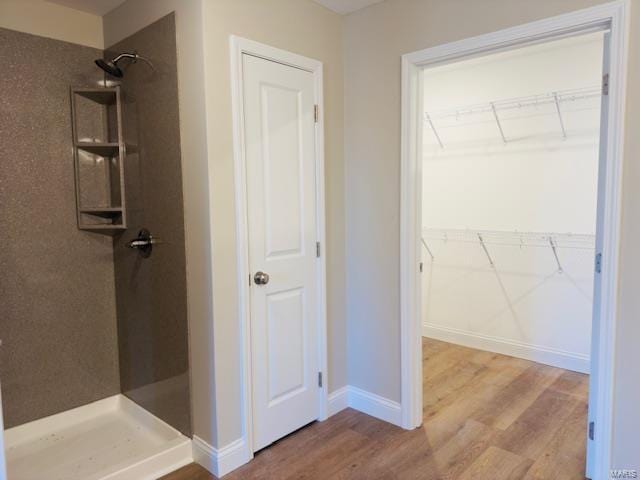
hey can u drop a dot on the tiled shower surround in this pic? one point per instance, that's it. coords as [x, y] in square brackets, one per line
[83, 317]
[152, 293]
[57, 290]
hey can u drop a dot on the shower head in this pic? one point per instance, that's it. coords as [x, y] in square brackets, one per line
[112, 68]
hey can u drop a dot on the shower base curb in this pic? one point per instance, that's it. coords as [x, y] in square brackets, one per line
[89, 433]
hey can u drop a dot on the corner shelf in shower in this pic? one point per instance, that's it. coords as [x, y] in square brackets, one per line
[109, 149]
[98, 151]
[106, 212]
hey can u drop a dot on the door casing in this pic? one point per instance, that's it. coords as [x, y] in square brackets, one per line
[613, 16]
[241, 46]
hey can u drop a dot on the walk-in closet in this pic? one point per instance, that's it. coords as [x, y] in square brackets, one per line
[509, 202]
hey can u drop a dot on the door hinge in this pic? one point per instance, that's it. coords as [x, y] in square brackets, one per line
[592, 427]
[316, 113]
[320, 379]
[605, 84]
[598, 267]
[421, 267]
[317, 249]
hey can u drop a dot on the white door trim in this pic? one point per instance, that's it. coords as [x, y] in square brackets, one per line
[239, 47]
[614, 15]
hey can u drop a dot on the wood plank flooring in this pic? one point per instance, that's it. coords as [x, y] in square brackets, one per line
[486, 417]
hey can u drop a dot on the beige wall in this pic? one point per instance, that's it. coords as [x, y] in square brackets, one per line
[303, 27]
[52, 21]
[375, 38]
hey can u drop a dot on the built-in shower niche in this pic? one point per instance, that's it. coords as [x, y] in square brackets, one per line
[98, 157]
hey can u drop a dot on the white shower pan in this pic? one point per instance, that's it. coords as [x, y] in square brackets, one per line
[111, 439]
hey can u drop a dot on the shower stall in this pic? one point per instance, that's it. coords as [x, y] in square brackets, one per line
[94, 365]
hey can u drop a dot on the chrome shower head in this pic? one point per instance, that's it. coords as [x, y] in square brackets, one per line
[112, 68]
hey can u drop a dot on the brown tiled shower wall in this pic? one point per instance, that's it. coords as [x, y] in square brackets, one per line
[57, 293]
[82, 317]
[152, 293]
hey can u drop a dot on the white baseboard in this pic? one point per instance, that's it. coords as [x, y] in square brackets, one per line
[365, 402]
[220, 461]
[338, 400]
[226, 459]
[375, 405]
[536, 353]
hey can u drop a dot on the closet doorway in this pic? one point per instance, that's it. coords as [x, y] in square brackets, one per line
[509, 206]
[509, 234]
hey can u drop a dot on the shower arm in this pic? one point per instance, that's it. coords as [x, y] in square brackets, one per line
[134, 57]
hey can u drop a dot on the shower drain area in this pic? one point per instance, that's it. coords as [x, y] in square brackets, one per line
[112, 439]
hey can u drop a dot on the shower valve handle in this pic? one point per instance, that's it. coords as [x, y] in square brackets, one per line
[144, 242]
[141, 243]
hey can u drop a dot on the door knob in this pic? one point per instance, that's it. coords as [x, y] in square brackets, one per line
[261, 278]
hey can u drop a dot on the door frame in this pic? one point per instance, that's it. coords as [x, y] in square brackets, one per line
[238, 47]
[614, 16]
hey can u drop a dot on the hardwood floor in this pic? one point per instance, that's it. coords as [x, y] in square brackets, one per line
[486, 417]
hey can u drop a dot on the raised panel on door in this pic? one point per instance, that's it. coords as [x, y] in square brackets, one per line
[283, 170]
[285, 344]
[279, 132]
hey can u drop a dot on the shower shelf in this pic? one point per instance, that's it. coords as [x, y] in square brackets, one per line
[106, 212]
[106, 229]
[104, 96]
[99, 153]
[109, 149]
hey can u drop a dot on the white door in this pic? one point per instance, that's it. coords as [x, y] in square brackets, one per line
[597, 282]
[280, 133]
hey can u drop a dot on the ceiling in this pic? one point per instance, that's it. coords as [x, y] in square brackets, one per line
[100, 7]
[96, 7]
[346, 6]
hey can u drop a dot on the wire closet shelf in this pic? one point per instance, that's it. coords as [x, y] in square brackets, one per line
[512, 238]
[555, 99]
[485, 238]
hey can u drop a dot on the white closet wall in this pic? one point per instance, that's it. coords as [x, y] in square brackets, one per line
[497, 204]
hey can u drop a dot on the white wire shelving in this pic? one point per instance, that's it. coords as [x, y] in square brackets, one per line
[512, 238]
[497, 108]
[552, 240]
